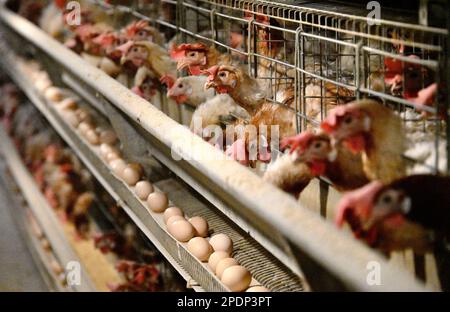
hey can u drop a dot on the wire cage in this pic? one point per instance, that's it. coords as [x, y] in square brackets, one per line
[322, 57]
[326, 58]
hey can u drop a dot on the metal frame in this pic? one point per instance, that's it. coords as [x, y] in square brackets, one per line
[241, 191]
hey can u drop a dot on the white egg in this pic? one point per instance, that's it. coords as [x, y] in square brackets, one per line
[84, 127]
[223, 264]
[84, 115]
[117, 166]
[157, 202]
[42, 84]
[143, 189]
[174, 218]
[92, 137]
[236, 278]
[172, 211]
[53, 94]
[108, 136]
[215, 258]
[200, 248]
[112, 156]
[221, 242]
[258, 289]
[105, 149]
[182, 230]
[130, 175]
[70, 117]
[200, 225]
[68, 103]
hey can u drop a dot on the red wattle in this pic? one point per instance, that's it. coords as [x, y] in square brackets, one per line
[355, 144]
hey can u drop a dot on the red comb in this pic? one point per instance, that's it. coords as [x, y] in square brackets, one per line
[134, 27]
[168, 80]
[105, 39]
[359, 201]
[211, 72]
[125, 47]
[297, 142]
[179, 52]
[329, 124]
[426, 95]
[61, 4]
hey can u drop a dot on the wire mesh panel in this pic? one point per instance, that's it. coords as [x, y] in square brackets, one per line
[324, 59]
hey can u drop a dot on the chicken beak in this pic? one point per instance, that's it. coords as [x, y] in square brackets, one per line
[182, 64]
[123, 59]
[210, 84]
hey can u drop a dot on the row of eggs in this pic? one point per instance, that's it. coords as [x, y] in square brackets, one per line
[216, 251]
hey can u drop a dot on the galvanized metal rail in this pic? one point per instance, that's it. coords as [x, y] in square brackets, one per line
[42, 210]
[228, 185]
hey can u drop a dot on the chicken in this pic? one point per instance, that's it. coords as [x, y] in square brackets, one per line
[108, 42]
[78, 213]
[197, 57]
[343, 168]
[51, 20]
[368, 127]
[271, 121]
[288, 174]
[189, 90]
[142, 31]
[411, 212]
[234, 80]
[320, 100]
[220, 111]
[151, 55]
[145, 83]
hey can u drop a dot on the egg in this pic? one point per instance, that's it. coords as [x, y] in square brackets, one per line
[68, 103]
[71, 118]
[42, 83]
[182, 230]
[138, 167]
[105, 149]
[173, 211]
[108, 137]
[223, 264]
[221, 242]
[53, 94]
[117, 166]
[92, 137]
[84, 127]
[236, 278]
[84, 115]
[215, 258]
[174, 218]
[112, 156]
[143, 189]
[130, 175]
[56, 267]
[258, 289]
[200, 225]
[200, 248]
[157, 201]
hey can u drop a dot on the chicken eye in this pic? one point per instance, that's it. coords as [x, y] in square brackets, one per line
[317, 145]
[135, 50]
[222, 74]
[387, 199]
[180, 86]
[141, 33]
[192, 54]
[348, 120]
